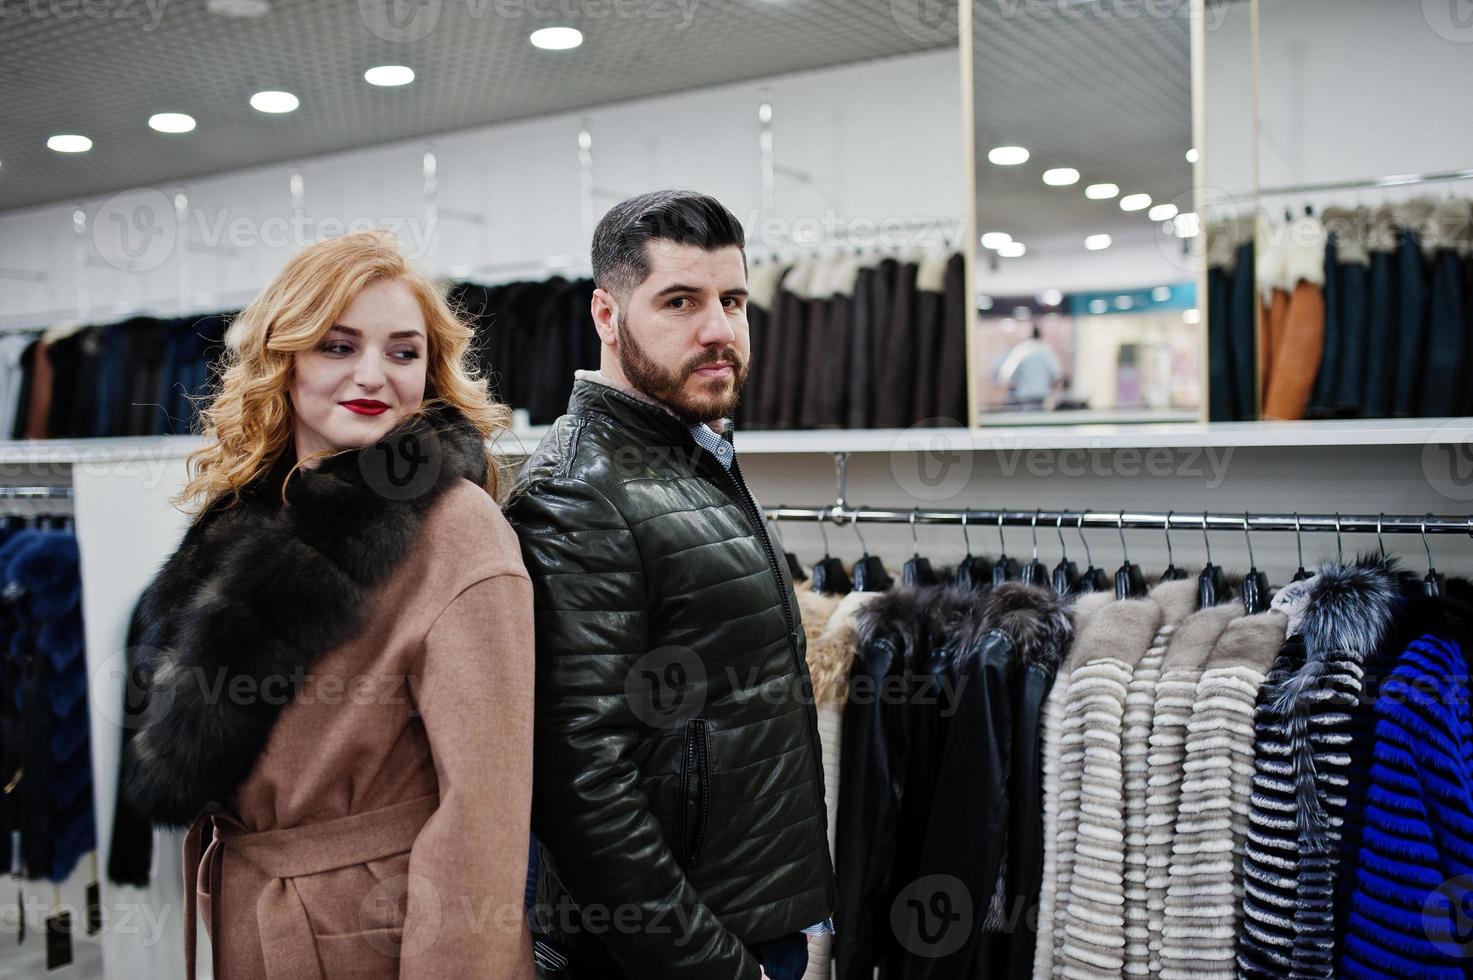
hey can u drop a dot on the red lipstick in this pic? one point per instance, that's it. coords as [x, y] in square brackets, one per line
[365, 406]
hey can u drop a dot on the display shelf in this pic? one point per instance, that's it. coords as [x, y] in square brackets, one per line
[1149, 435]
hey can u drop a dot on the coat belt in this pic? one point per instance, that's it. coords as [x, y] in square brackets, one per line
[287, 940]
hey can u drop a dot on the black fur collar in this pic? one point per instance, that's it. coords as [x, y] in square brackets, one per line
[257, 592]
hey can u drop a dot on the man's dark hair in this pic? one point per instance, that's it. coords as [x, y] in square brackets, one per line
[620, 259]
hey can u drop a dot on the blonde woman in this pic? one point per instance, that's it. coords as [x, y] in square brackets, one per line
[336, 664]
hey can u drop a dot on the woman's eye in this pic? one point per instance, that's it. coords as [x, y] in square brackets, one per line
[408, 355]
[336, 347]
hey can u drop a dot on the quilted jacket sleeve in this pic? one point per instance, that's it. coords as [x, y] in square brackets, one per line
[592, 623]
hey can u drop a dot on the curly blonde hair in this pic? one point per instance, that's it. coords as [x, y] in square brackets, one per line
[249, 423]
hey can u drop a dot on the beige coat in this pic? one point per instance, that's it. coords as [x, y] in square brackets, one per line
[384, 830]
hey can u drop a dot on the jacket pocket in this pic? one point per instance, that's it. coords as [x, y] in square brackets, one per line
[694, 793]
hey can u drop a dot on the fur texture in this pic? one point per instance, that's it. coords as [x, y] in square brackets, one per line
[1035, 619]
[257, 592]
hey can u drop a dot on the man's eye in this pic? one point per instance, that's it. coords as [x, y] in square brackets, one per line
[680, 302]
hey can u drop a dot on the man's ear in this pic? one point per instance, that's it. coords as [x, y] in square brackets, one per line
[605, 311]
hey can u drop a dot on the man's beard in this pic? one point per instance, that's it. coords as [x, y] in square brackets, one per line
[714, 398]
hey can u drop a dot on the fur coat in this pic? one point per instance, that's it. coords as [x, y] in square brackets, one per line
[335, 694]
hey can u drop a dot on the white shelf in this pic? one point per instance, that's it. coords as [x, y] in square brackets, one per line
[1148, 435]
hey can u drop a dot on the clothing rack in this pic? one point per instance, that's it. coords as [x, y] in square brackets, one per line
[36, 493]
[1388, 180]
[1135, 520]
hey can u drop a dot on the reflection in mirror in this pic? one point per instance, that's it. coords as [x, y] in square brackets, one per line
[1365, 211]
[1086, 278]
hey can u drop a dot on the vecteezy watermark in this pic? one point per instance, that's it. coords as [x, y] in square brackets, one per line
[851, 231]
[142, 922]
[932, 916]
[1447, 459]
[932, 460]
[139, 230]
[146, 12]
[405, 467]
[666, 687]
[1451, 20]
[927, 21]
[1447, 917]
[1208, 464]
[401, 21]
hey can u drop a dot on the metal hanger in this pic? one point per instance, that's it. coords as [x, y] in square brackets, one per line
[1380, 541]
[1130, 582]
[1339, 545]
[917, 570]
[795, 567]
[1094, 579]
[1255, 583]
[1211, 584]
[1172, 573]
[975, 571]
[869, 571]
[1005, 569]
[829, 577]
[1035, 572]
[1300, 575]
[1434, 583]
[1066, 573]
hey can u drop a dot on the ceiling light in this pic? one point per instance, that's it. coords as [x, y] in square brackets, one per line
[275, 102]
[1007, 156]
[1012, 250]
[1096, 243]
[1161, 294]
[1124, 303]
[1051, 297]
[1191, 317]
[1098, 306]
[69, 143]
[238, 8]
[388, 76]
[1187, 225]
[984, 302]
[1101, 192]
[1061, 176]
[557, 38]
[171, 122]
[996, 239]
[1162, 212]
[1192, 155]
[1135, 202]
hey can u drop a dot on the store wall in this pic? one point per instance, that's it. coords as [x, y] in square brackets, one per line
[1353, 89]
[858, 150]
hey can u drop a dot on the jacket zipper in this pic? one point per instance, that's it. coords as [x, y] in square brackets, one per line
[697, 764]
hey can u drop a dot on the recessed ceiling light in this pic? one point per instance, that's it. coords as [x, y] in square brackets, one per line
[1192, 316]
[1124, 303]
[274, 102]
[1012, 250]
[1096, 243]
[1051, 297]
[1098, 306]
[1135, 202]
[388, 76]
[1007, 156]
[1061, 176]
[557, 38]
[984, 302]
[171, 122]
[1187, 225]
[1161, 294]
[1101, 192]
[239, 8]
[996, 239]
[1192, 155]
[69, 143]
[1162, 212]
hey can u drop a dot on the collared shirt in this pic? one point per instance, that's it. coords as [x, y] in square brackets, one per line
[725, 454]
[707, 439]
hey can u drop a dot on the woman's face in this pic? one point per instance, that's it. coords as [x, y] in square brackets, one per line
[364, 375]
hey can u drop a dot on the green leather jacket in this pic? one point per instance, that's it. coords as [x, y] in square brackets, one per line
[678, 786]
